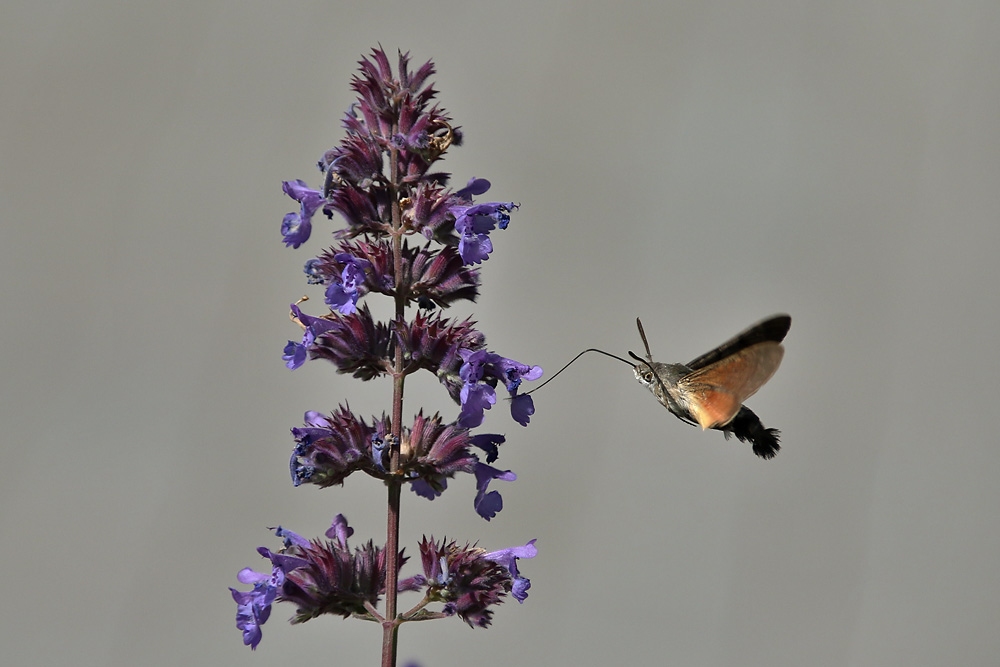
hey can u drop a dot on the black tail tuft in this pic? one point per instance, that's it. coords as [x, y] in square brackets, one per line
[746, 427]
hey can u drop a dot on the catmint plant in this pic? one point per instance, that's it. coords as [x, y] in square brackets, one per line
[410, 238]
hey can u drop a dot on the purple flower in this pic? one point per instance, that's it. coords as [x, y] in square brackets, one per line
[488, 504]
[344, 295]
[473, 225]
[254, 607]
[252, 610]
[422, 488]
[295, 353]
[475, 398]
[339, 530]
[476, 364]
[512, 372]
[521, 408]
[312, 270]
[297, 227]
[508, 558]
[289, 537]
[475, 248]
[475, 187]
[481, 371]
[489, 443]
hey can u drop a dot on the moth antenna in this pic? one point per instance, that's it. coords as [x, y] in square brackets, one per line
[589, 349]
[642, 333]
[648, 361]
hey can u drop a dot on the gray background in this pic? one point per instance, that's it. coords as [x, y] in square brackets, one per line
[701, 165]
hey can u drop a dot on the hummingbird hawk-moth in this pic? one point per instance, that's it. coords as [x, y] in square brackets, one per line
[709, 391]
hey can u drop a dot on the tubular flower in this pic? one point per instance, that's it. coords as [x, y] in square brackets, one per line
[480, 374]
[297, 227]
[489, 504]
[343, 294]
[295, 353]
[254, 607]
[473, 225]
[508, 558]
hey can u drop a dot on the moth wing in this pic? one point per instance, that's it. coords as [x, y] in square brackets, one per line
[715, 393]
[772, 329]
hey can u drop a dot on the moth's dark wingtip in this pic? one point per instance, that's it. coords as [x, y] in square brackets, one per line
[777, 326]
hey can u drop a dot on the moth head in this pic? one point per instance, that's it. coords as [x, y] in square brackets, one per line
[644, 372]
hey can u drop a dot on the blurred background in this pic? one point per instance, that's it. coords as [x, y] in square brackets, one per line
[698, 164]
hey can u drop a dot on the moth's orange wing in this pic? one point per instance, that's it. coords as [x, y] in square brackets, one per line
[715, 393]
[712, 406]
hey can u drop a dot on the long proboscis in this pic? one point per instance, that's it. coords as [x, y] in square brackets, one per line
[589, 349]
